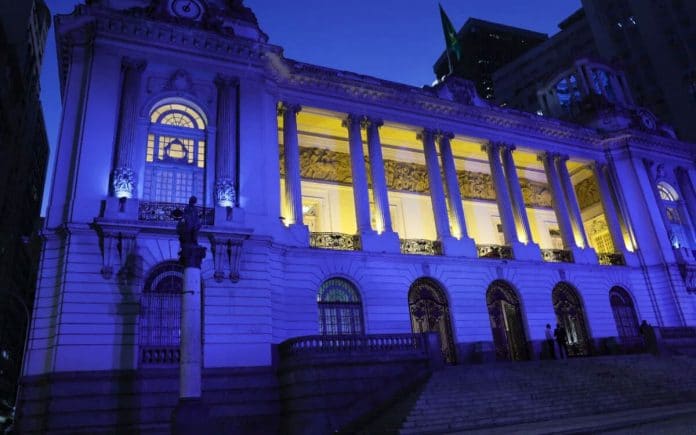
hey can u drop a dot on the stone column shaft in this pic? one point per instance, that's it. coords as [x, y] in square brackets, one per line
[190, 364]
[293, 187]
[357, 166]
[560, 205]
[610, 210]
[502, 194]
[572, 202]
[226, 142]
[454, 195]
[124, 180]
[379, 181]
[437, 191]
[516, 193]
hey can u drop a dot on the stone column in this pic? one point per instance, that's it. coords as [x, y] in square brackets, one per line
[513, 181]
[357, 166]
[124, 177]
[572, 201]
[502, 194]
[293, 188]
[560, 205]
[437, 192]
[610, 210]
[389, 239]
[686, 187]
[226, 142]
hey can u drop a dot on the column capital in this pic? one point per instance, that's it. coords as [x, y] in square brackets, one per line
[133, 64]
[546, 155]
[426, 134]
[285, 107]
[444, 135]
[224, 81]
[352, 119]
[368, 121]
[561, 157]
[491, 145]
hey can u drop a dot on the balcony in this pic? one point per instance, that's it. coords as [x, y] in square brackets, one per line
[162, 212]
[421, 247]
[611, 259]
[494, 251]
[336, 241]
[557, 255]
[153, 356]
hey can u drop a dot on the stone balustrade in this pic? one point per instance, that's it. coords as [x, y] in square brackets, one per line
[162, 212]
[611, 259]
[421, 247]
[343, 344]
[159, 356]
[557, 255]
[337, 241]
[494, 251]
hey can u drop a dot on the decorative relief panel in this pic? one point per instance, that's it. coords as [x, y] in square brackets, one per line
[588, 193]
[326, 165]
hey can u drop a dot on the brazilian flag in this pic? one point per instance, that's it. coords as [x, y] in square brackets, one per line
[454, 48]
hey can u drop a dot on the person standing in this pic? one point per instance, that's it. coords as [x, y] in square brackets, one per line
[549, 342]
[560, 334]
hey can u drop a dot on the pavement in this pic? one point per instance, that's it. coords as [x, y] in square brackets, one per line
[673, 419]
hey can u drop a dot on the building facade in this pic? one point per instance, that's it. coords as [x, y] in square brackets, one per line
[24, 145]
[651, 41]
[333, 205]
[485, 47]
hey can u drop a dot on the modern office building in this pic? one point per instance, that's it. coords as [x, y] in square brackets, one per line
[24, 146]
[485, 47]
[343, 217]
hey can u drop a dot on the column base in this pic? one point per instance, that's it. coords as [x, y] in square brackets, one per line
[300, 234]
[453, 247]
[630, 258]
[528, 252]
[584, 256]
[229, 216]
[387, 242]
[190, 416]
[122, 208]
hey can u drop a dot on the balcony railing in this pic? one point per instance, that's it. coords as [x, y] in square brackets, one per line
[337, 241]
[162, 212]
[557, 255]
[159, 355]
[343, 344]
[611, 259]
[494, 251]
[421, 247]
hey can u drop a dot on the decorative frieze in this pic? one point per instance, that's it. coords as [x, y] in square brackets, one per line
[326, 165]
[588, 193]
[123, 182]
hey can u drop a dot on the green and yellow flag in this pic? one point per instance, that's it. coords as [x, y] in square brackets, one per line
[454, 48]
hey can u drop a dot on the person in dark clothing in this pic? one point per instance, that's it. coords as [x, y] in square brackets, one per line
[649, 337]
[560, 334]
[549, 342]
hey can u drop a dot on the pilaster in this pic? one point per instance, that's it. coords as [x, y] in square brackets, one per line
[293, 188]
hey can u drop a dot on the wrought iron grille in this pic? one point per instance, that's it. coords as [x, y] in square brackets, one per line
[162, 212]
[421, 247]
[338, 241]
[611, 259]
[494, 251]
[557, 255]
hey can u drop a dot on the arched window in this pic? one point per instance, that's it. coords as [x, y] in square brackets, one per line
[671, 205]
[340, 309]
[175, 158]
[625, 318]
[160, 314]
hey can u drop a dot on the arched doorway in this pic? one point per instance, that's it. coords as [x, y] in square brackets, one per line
[430, 313]
[570, 314]
[340, 309]
[626, 319]
[506, 322]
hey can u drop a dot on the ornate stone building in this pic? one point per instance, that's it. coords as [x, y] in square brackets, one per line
[334, 204]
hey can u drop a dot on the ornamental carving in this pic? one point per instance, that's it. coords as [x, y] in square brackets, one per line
[123, 182]
[325, 165]
[225, 193]
[588, 193]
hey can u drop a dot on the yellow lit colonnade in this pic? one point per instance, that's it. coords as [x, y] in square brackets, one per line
[355, 182]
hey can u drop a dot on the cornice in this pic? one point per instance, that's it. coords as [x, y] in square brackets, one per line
[303, 77]
[652, 144]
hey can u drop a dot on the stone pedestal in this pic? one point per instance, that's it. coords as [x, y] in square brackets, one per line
[465, 247]
[387, 242]
[299, 234]
[584, 255]
[529, 251]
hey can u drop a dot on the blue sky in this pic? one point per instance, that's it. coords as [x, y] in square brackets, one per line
[398, 40]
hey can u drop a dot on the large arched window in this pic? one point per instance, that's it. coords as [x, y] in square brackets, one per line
[675, 223]
[340, 309]
[175, 158]
[160, 314]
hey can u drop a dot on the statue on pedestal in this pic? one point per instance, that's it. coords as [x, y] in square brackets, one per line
[191, 253]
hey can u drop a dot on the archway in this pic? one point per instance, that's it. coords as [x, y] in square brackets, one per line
[570, 314]
[506, 322]
[626, 319]
[430, 313]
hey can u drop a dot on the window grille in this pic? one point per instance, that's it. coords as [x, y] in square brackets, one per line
[340, 309]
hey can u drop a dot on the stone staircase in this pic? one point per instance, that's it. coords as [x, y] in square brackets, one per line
[482, 396]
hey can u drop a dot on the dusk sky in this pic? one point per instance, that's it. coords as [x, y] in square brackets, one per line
[398, 40]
